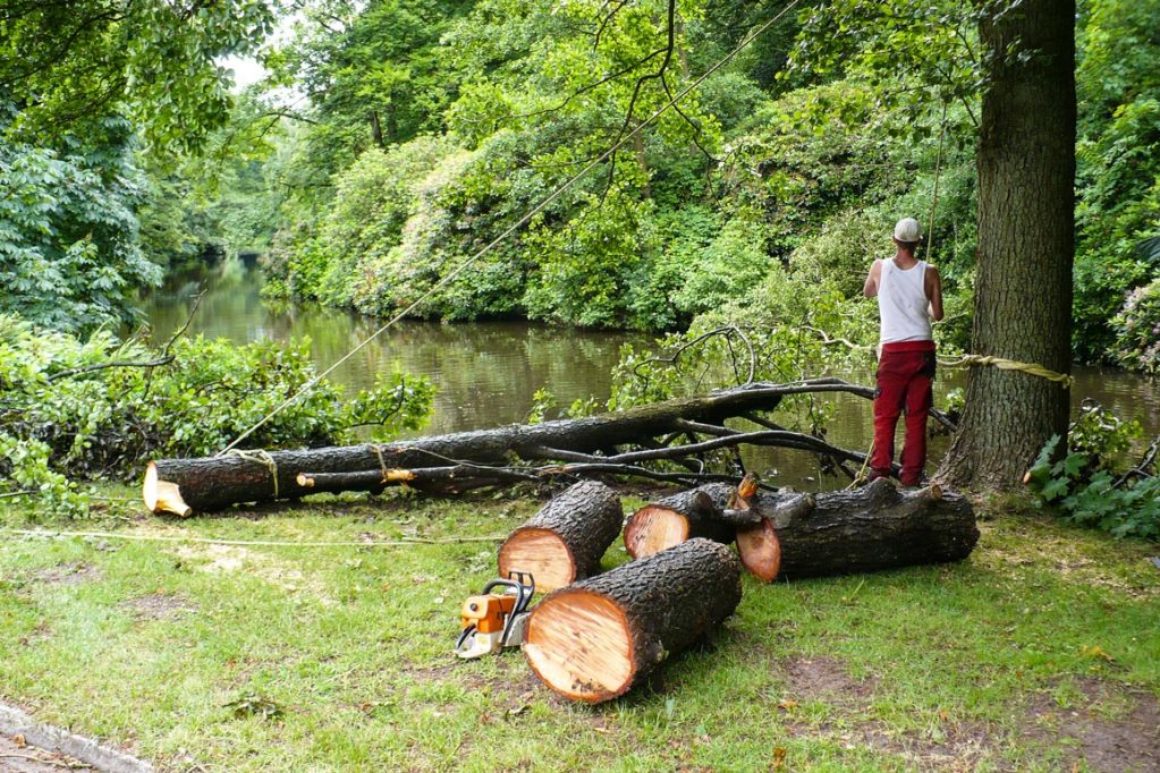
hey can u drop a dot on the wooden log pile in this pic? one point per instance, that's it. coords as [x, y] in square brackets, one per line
[591, 640]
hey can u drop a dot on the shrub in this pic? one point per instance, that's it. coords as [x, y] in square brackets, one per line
[1091, 484]
[1137, 329]
[66, 408]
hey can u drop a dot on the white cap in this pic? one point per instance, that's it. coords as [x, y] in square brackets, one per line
[908, 231]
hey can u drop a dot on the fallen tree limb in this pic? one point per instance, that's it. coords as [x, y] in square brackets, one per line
[185, 486]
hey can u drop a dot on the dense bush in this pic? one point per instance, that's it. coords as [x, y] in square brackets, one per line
[1137, 329]
[69, 256]
[1094, 482]
[70, 406]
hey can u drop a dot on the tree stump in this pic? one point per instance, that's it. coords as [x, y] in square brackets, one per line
[594, 640]
[566, 539]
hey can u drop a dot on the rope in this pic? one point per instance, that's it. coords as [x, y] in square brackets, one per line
[261, 457]
[247, 543]
[382, 461]
[1030, 368]
[937, 177]
[514, 227]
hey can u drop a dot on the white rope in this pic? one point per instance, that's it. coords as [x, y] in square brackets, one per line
[511, 229]
[43, 533]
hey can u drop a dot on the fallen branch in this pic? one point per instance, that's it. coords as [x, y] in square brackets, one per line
[498, 456]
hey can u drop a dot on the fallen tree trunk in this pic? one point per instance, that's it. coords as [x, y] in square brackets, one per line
[215, 483]
[592, 641]
[566, 539]
[701, 512]
[871, 528]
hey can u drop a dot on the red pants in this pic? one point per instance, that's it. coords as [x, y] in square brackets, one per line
[905, 372]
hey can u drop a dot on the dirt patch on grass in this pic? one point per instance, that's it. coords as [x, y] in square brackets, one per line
[18, 757]
[231, 559]
[825, 678]
[159, 606]
[1110, 728]
[69, 574]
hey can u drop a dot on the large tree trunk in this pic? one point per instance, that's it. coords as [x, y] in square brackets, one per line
[565, 541]
[871, 528]
[594, 640]
[218, 482]
[1023, 288]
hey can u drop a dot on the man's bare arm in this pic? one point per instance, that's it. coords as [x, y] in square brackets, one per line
[934, 293]
[870, 287]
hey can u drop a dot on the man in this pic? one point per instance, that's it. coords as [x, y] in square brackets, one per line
[909, 293]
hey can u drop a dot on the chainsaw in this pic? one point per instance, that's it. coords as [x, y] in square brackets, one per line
[496, 618]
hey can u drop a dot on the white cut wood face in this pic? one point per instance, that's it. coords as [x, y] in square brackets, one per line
[579, 644]
[542, 554]
[655, 529]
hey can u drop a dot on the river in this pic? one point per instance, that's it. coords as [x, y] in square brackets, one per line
[487, 372]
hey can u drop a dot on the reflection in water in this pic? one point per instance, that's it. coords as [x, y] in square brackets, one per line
[487, 372]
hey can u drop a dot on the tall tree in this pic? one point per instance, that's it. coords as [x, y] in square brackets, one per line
[1026, 167]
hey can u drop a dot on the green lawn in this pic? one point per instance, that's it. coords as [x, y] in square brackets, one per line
[1040, 651]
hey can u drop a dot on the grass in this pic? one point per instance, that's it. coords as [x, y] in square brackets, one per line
[1038, 652]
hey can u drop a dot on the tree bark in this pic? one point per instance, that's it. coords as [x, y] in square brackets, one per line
[218, 482]
[868, 529]
[594, 640]
[1023, 288]
[565, 541]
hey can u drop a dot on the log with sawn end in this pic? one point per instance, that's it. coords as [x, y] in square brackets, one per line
[701, 512]
[566, 539]
[593, 640]
[867, 529]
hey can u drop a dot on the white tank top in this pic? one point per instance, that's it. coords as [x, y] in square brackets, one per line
[902, 303]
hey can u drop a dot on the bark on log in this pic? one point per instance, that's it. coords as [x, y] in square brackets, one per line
[875, 527]
[700, 512]
[565, 541]
[594, 640]
[215, 483]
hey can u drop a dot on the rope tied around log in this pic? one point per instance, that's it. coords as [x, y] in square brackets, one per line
[1030, 368]
[263, 458]
[382, 461]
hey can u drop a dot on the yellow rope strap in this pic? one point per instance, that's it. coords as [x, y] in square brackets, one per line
[1003, 363]
[262, 458]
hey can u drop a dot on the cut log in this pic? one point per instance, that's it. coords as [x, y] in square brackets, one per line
[875, 527]
[714, 511]
[700, 512]
[566, 539]
[218, 482]
[594, 640]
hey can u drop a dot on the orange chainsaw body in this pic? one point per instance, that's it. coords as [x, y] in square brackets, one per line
[487, 613]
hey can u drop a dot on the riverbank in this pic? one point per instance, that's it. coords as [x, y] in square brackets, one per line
[488, 374]
[1037, 652]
